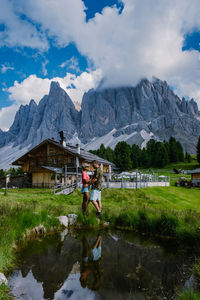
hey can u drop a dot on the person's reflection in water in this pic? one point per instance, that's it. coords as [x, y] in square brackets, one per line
[91, 264]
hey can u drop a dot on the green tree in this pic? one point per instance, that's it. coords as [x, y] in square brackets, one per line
[109, 154]
[135, 155]
[102, 151]
[122, 156]
[161, 156]
[173, 152]
[145, 160]
[19, 171]
[180, 152]
[188, 157]
[15, 171]
[166, 144]
[2, 173]
[151, 149]
[198, 150]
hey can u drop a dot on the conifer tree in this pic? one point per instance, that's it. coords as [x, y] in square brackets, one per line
[180, 152]
[122, 156]
[161, 156]
[136, 156]
[109, 154]
[198, 150]
[173, 153]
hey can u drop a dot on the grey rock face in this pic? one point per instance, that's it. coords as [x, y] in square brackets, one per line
[150, 107]
[34, 123]
[56, 112]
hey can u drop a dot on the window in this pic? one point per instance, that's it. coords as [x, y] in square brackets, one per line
[71, 160]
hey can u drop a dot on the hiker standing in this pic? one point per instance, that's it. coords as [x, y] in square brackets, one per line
[85, 187]
[95, 196]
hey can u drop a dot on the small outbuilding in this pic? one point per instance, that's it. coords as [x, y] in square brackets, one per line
[195, 176]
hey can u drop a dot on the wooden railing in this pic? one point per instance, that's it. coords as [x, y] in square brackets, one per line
[64, 188]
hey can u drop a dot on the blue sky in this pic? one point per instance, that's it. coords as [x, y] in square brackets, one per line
[109, 39]
[27, 61]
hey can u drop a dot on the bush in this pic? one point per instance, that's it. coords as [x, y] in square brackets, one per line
[144, 222]
[166, 225]
[127, 219]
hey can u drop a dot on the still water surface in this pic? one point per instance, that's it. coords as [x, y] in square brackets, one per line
[98, 266]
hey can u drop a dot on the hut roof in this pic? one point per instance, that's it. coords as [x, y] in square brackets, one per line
[194, 171]
[85, 155]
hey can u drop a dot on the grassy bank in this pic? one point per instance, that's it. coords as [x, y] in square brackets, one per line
[189, 295]
[165, 211]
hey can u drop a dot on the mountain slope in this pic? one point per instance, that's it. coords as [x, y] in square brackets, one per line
[134, 114]
[149, 107]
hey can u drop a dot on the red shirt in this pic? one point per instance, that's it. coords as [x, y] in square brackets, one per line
[85, 177]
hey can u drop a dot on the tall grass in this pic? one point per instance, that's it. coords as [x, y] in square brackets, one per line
[14, 223]
[189, 295]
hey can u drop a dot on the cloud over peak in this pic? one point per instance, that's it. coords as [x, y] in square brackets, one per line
[143, 40]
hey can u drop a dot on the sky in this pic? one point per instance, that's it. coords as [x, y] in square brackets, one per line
[85, 43]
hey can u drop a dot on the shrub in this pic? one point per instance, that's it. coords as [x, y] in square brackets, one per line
[166, 224]
[144, 222]
[126, 219]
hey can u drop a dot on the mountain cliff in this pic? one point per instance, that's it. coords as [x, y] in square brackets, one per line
[147, 110]
[133, 114]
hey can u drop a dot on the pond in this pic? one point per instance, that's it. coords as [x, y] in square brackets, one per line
[94, 265]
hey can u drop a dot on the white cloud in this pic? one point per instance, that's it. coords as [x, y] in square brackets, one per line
[35, 88]
[44, 69]
[145, 40]
[71, 63]
[19, 32]
[5, 68]
[7, 115]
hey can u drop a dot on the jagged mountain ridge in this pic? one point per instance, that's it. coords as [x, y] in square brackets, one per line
[134, 114]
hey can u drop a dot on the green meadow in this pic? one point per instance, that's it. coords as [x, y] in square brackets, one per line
[169, 212]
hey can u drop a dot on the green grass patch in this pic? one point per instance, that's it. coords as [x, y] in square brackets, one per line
[197, 271]
[189, 295]
[4, 292]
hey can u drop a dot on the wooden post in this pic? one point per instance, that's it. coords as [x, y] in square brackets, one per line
[77, 166]
[7, 181]
[136, 179]
[107, 177]
[110, 171]
[65, 174]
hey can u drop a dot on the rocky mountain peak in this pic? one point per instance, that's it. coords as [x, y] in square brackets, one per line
[134, 114]
[54, 86]
[32, 103]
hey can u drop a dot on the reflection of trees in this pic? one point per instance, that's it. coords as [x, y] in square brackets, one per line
[125, 267]
[53, 265]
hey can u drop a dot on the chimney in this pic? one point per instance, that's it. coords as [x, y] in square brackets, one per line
[64, 143]
[62, 139]
[78, 148]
